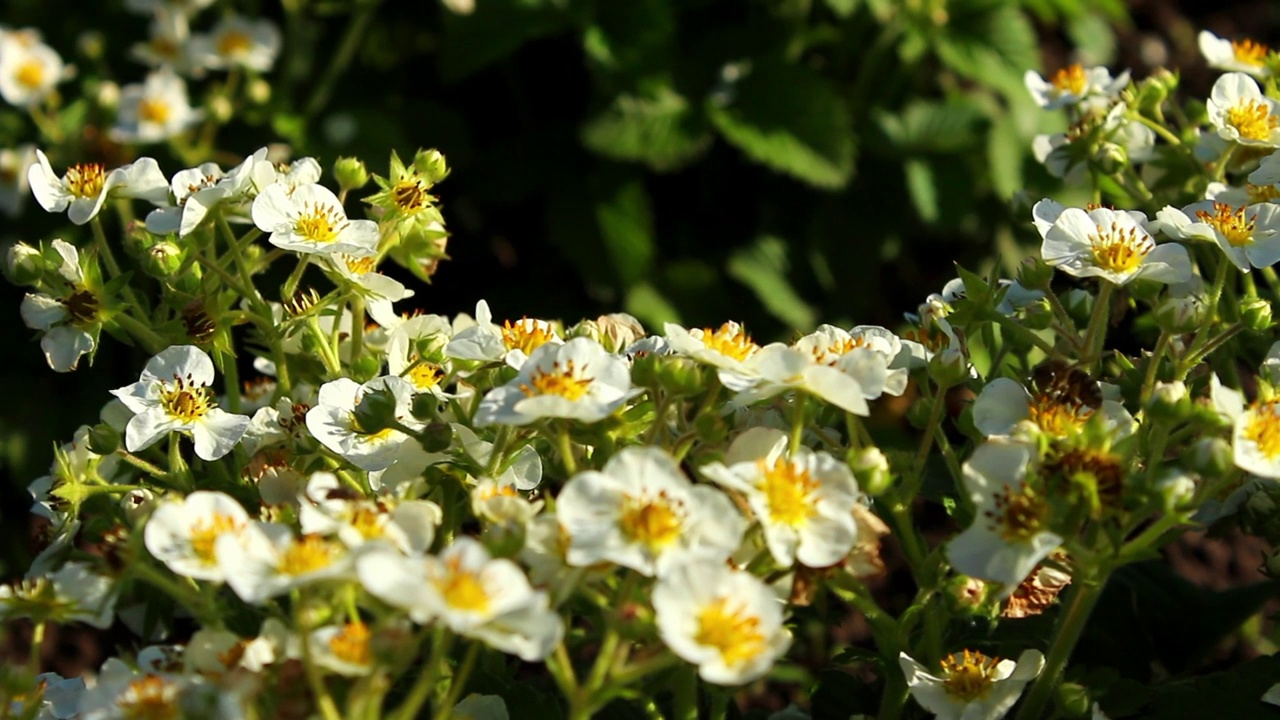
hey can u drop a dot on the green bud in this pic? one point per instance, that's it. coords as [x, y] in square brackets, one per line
[431, 348]
[1079, 305]
[586, 328]
[350, 173]
[103, 439]
[1170, 401]
[162, 259]
[1177, 489]
[1151, 94]
[711, 428]
[376, 411]
[366, 368]
[871, 470]
[949, 368]
[1035, 274]
[1038, 315]
[919, 412]
[24, 264]
[425, 407]
[1073, 700]
[436, 437]
[258, 91]
[503, 540]
[1180, 315]
[188, 283]
[1255, 313]
[1210, 457]
[644, 370]
[680, 376]
[1168, 79]
[431, 165]
[1109, 158]
[1145, 290]
[965, 595]
[138, 240]
[220, 109]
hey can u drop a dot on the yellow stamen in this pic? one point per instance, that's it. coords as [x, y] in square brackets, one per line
[184, 401]
[369, 522]
[1264, 429]
[307, 555]
[85, 180]
[149, 698]
[409, 195]
[1019, 513]
[832, 352]
[733, 632]
[1120, 249]
[654, 522]
[351, 644]
[1252, 119]
[729, 341]
[526, 334]
[564, 381]
[30, 75]
[1055, 417]
[1231, 222]
[425, 375]
[969, 676]
[320, 223]
[204, 534]
[463, 589]
[358, 265]
[787, 488]
[155, 111]
[1070, 79]
[1261, 193]
[1248, 52]
[233, 42]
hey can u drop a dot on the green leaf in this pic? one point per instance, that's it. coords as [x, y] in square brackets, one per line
[842, 8]
[1006, 151]
[992, 43]
[662, 131]
[922, 188]
[1235, 693]
[647, 304]
[631, 36]
[789, 118]
[762, 266]
[934, 127]
[626, 227]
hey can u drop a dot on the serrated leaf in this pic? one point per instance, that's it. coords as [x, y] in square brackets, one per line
[992, 43]
[626, 227]
[662, 131]
[762, 266]
[934, 127]
[791, 119]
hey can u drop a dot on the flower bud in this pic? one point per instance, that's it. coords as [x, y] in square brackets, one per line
[1035, 274]
[618, 331]
[107, 95]
[376, 411]
[1167, 79]
[871, 470]
[258, 91]
[679, 376]
[504, 539]
[431, 164]
[350, 173]
[1169, 401]
[431, 348]
[1152, 93]
[1177, 489]
[1255, 313]
[220, 109]
[644, 370]
[162, 259]
[24, 264]
[1037, 315]
[919, 412]
[1260, 503]
[1109, 158]
[1210, 457]
[103, 439]
[137, 505]
[1079, 305]
[949, 368]
[1073, 700]
[586, 329]
[366, 368]
[436, 437]
[425, 407]
[91, 44]
[1180, 315]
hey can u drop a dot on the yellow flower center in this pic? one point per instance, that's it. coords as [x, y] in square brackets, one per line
[1261, 193]
[1231, 222]
[1120, 249]
[786, 489]
[204, 534]
[1019, 513]
[1070, 79]
[351, 644]
[233, 42]
[30, 75]
[729, 341]
[307, 555]
[564, 381]
[733, 632]
[368, 522]
[184, 401]
[153, 110]
[320, 223]
[831, 353]
[1264, 429]
[496, 491]
[409, 195]
[425, 375]
[1248, 52]
[85, 180]
[1252, 119]
[654, 522]
[358, 265]
[149, 698]
[969, 676]
[1055, 417]
[463, 589]
[526, 334]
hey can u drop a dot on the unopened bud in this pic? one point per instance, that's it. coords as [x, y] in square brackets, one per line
[220, 109]
[258, 91]
[436, 437]
[1035, 274]
[1210, 457]
[679, 376]
[949, 368]
[350, 173]
[366, 368]
[1073, 700]
[162, 259]
[103, 439]
[586, 328]
[1169, 401]
[618, 331]
[1255, 313]
[1177, 489]
[431, 165]
[137, 505]
[1079, 305]
[107, 95]
[24, 265]
[376, 411]
[425, 407]
[919, 412]
[1109, 158]
[1037, 315]
[871, 470]
[1152, 92]
[1167, 78]
[1180, 315]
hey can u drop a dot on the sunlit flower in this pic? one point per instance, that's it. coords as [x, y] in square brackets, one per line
[168, 44]
[727, 622]
[155, 110]
[970, 685]
[1073, 84]
[804, 502]
[182, 534]
[344, 649]
[778, 368]
[1244, 56]
[1065, 155]
[15, 187]
[330, 508]
[578, 380]
[726, 348]
[522, 470]
[477, 596]
[511, 342]
[122, 693]
[75, 592]
[84, 187]
[1112, 245]
[70, 320]
[334, 422]
[265, 560]
[415, 352]
[641, 512]
[1242, 113]
[1255, 437]
[300, 172]
[872, 355]
[53, 698]
[237, 41]
[1009, 535]
[198, 190]
[311, 220]
[173, 395]
[1248, 234]
[29, 69]
[379, 291]
[1056, 409]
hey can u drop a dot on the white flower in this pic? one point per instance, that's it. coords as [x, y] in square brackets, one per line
[56, 697]
[334, 423]
[149, 7]
[641, 512]
[29, 69]
[475, 595]
[1242, 113]
[83, 189]
[378, 290]
[726, 348]
[1073, 84]
[1112, 245]
[303, 171]
[155, 110]
[1004, 403]
[778, 368]
[727, 622]
[804, 503]
[1064, 157]
[182, 534]
[971, 686]
[122, 693]
[523, 472]
[406, 347]
[72, 320]
[1256, 439]
[343, 649]
[1008, 537]
[578, 380]
[238, 41]
[511, 342]
[265, 560]
[173, 395]
[15, 188]
[1243, 56]
[168, 43]
[198, 190]
[330, 508]
[481, 707]
[311, 220]
[1248, 234]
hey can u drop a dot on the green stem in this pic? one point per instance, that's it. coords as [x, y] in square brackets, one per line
[1096, 336]
[295, 277]
[1157, 128]
[232, 373]
[458, 682]
[328, 355]
[328, 708]
[426, 682]
[926, 442]
[799, 406]
[1082, 597]
[152, 342]
[1149, 380]
[154, 470]
[109, 259]
[1220, 170]
[1010, 325]
[565, 446]
[342, 58]
[37, 643]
